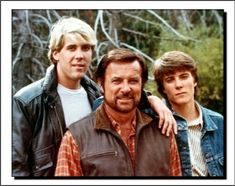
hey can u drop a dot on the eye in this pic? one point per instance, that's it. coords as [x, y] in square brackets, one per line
[169, 79]
[134, 81]
[116, 81]
[86, 47]
[184, 76]
[71, 47]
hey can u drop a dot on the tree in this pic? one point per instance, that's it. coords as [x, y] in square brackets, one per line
[148, 32]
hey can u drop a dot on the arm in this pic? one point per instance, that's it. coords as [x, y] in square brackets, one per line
[166, 119]
[21, 135]
[68, 162]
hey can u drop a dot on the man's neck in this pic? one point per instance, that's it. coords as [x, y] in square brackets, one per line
[188, 111]
[70, 84]
[67, 82]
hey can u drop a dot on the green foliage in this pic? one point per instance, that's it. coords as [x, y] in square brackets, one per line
[208, 51]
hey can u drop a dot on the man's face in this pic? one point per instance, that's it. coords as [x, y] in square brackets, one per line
[73, 60]
[179, 87]
[122, 86]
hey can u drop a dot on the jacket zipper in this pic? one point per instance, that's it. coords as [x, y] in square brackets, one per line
[61, 130]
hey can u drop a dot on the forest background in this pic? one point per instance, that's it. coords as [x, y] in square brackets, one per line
[200, 33]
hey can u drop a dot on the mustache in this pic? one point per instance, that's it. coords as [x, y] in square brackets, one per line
[127, 95]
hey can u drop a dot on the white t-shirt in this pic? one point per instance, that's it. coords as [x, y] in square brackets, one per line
[75, 103]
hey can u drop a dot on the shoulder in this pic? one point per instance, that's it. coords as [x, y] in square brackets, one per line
[211, 113]
[87, 82]
[91, 88]
[83, 124]
[212, 118]
[29, 92]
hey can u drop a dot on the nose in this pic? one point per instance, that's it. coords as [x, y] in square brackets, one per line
[178, 83]
[79, 54]
[125, 87]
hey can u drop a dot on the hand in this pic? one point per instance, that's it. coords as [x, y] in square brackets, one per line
[166, 120]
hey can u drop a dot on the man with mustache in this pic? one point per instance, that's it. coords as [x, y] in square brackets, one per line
[118, 139]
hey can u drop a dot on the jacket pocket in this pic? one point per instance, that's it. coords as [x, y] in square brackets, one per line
[106, 163]
[100, 154]
[220, 166]
[42, 161]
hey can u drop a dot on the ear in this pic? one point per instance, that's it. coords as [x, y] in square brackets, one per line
[101, 89]
[55, 55]
[99, 82]
[195, 84]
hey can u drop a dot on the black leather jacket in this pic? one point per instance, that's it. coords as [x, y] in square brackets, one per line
[38, 125]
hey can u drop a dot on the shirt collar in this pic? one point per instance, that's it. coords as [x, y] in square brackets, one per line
[197, 121]
[116, 124]
[103, 121]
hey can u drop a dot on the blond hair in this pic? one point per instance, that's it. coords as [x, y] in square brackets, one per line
[69, 25]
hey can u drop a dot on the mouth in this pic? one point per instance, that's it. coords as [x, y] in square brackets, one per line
[79, 66]
[180, 94]
[126, 98]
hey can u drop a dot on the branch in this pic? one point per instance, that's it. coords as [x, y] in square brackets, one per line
[168, 26]
[42, 18]
[185, 20]
[30, 78]
[37, 62]
[37, 39]
[219, 20]
[146, 35]
[138, 51]
[141, 19]
[55, 14]
[17, 58]
[27, 20]
[105, 44]
[96, 33]
[100, 12]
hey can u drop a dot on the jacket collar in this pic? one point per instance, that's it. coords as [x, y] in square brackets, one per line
[103, 122]
[50, 80]
[208, 123]
[50, 85]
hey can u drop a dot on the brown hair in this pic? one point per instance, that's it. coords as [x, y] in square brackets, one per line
[170, 62]
[120, 55]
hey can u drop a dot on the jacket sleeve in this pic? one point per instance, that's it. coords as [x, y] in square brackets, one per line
[21, 138]
[144, 104]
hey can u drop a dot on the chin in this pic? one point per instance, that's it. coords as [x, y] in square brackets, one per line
[125, 109]
[79, 76]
